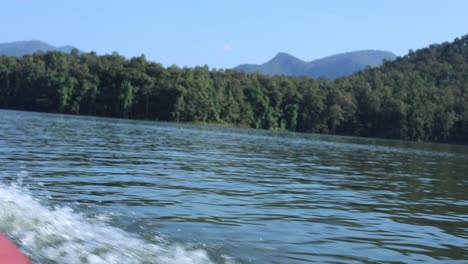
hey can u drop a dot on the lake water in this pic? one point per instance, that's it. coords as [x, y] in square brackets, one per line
[95, 190]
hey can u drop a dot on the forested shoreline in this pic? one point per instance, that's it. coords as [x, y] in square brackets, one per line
[421, 96]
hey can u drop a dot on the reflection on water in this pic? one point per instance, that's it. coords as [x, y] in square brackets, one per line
[230, 195]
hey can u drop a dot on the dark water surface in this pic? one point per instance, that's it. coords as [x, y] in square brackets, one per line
[95, 190]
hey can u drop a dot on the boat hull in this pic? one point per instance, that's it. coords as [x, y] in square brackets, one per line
[10, 253]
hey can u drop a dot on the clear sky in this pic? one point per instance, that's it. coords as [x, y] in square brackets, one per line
[225, 33]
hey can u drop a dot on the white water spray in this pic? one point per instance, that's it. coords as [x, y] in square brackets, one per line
[61, 235]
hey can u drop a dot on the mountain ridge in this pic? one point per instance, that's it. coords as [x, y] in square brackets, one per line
[330, 67]
[25, 47]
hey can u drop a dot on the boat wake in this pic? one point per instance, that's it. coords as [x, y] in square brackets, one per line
[60, 235]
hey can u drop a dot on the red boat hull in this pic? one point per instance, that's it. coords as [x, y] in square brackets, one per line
[10, 253]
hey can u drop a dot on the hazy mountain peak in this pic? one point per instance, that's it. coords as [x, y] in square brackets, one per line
[285, 57]
[330, 67]
[24, 47]
[282, 63]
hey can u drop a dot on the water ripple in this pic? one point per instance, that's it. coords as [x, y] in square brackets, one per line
[237, 195]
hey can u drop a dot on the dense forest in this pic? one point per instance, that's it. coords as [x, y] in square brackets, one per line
[421, 96]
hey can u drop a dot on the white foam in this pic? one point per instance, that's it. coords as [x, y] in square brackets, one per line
[63, 236]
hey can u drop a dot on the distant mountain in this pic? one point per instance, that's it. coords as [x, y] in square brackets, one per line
[20, 48]
[330, 67]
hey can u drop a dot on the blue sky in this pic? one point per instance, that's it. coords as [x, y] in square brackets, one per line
[223, 34]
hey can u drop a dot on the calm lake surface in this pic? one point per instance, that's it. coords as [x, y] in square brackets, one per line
[95, 190]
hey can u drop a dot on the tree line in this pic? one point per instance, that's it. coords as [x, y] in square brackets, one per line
[421, 96]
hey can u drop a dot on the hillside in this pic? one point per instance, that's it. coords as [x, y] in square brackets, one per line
[422, 96]
[330, 67]
[20, 48]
